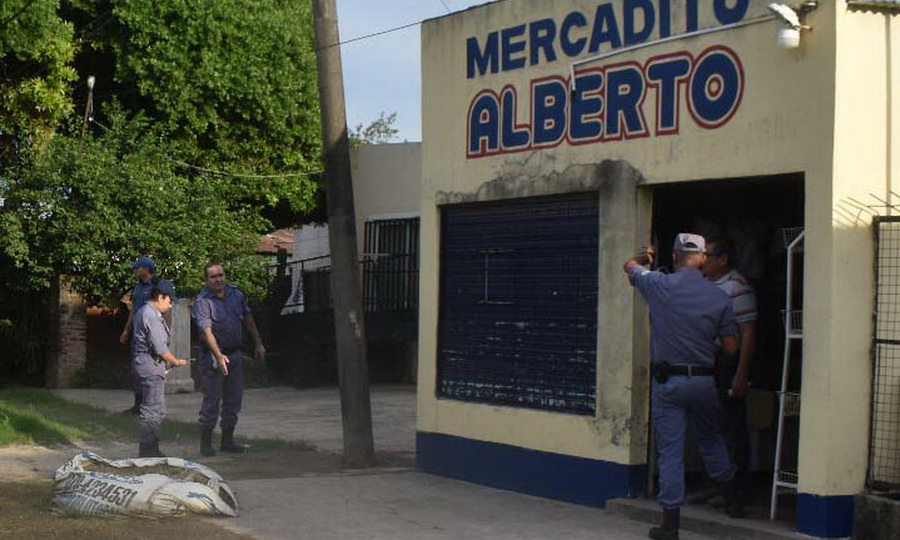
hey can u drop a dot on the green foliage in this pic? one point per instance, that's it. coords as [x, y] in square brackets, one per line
[379, 131]
[236, 78]
[86, 208]
[36, 52]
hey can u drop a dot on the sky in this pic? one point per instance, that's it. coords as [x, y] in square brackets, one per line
[382, 73]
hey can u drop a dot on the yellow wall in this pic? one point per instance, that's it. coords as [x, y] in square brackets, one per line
[837, 366]
[819, 110]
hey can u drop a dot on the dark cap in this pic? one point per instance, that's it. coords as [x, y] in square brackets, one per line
[167, 288]
[689, 243]
[146, 262]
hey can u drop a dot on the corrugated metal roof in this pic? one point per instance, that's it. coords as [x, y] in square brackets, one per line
[890, 4]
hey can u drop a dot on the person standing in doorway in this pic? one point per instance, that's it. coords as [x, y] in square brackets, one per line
[151, 356]
[733, 371]
[143, 269]
[688, 314]
[221, 313]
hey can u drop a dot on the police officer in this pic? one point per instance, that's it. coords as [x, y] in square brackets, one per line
[150, 358]
[143, 269]
[221, 312]
[687, 314]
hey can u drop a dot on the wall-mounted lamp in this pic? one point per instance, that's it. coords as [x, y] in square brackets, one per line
[788, 35]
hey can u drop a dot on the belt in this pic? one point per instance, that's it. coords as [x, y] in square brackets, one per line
[663, 370]
[691, 370]
[232, 350]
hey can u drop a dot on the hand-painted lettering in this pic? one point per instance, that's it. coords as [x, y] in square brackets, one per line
[609, 26]
[608, 103]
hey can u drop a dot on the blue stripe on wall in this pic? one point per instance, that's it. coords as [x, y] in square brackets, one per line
[825, 517]
[543, 474]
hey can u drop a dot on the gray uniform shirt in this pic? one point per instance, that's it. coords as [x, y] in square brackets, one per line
[151, 333]
[687, 314]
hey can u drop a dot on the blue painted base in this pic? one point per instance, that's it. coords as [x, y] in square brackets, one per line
[543, 474]
[825, 517]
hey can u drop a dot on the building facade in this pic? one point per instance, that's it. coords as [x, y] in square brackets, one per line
[560, 136]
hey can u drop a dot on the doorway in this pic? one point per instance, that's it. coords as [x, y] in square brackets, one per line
[754, 212]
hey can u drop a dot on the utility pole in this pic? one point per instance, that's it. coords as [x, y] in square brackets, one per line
[349, 320]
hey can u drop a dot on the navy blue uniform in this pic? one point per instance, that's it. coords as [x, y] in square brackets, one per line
[225, 316]
[150, 342]
[688, 313]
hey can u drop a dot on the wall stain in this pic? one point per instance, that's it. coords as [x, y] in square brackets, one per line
[524, 180]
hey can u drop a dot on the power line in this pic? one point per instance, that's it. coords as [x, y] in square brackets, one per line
[367, 36]
[225, 173]
[446, 6]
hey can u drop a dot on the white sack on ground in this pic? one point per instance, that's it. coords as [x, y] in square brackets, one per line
[89, 485]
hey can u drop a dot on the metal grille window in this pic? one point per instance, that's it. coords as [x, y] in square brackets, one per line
[518, 303]
[884, 452]
[391, 265]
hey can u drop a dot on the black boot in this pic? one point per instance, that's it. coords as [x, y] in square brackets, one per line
[150, 450]
[734, 504]
[206, 445]
[228, 442]
[670, 524]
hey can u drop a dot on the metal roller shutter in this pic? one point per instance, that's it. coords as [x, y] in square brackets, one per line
[518, 305]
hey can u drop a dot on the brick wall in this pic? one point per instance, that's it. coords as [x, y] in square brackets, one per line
[67, 353]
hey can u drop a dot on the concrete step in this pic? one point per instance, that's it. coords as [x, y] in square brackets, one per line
[707, 521]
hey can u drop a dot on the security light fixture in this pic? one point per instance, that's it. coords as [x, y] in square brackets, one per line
[788, 35]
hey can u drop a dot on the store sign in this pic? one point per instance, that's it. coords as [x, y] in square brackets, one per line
[605, 103]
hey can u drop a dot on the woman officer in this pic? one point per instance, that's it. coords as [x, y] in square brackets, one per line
[151, 357]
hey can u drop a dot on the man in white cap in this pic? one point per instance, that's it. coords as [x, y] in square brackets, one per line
[688, 315]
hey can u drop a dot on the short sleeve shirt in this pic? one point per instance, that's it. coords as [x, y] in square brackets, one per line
[224, 315]
[151, 333]
[687, 314]
[140, 294]
[743, 298]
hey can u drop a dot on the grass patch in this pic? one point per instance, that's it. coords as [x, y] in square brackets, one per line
[25, 420]
[37, 416]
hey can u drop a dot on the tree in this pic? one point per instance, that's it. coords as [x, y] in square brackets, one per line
[236, 79]
[87, 208]
[379, 131]
[36, 52]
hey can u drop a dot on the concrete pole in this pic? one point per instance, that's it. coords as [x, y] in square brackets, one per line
[349, 321]
[179, 380]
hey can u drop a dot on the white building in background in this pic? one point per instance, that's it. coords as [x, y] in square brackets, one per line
[386, 198]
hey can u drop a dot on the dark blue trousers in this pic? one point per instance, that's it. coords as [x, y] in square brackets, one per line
[225, 392]
[673, 403]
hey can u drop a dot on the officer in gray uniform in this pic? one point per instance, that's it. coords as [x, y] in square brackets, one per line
[221, 312]
[687, 315]
[143, 269]
[150, 360]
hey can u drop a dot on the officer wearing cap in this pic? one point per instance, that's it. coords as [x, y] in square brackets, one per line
[151, 356]
[221, 313]
[143, 269]
[688, 314]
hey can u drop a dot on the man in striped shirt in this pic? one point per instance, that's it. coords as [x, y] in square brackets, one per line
[733, 371]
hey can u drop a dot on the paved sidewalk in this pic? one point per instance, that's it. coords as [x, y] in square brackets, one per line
[376, 504]
[312, 415]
